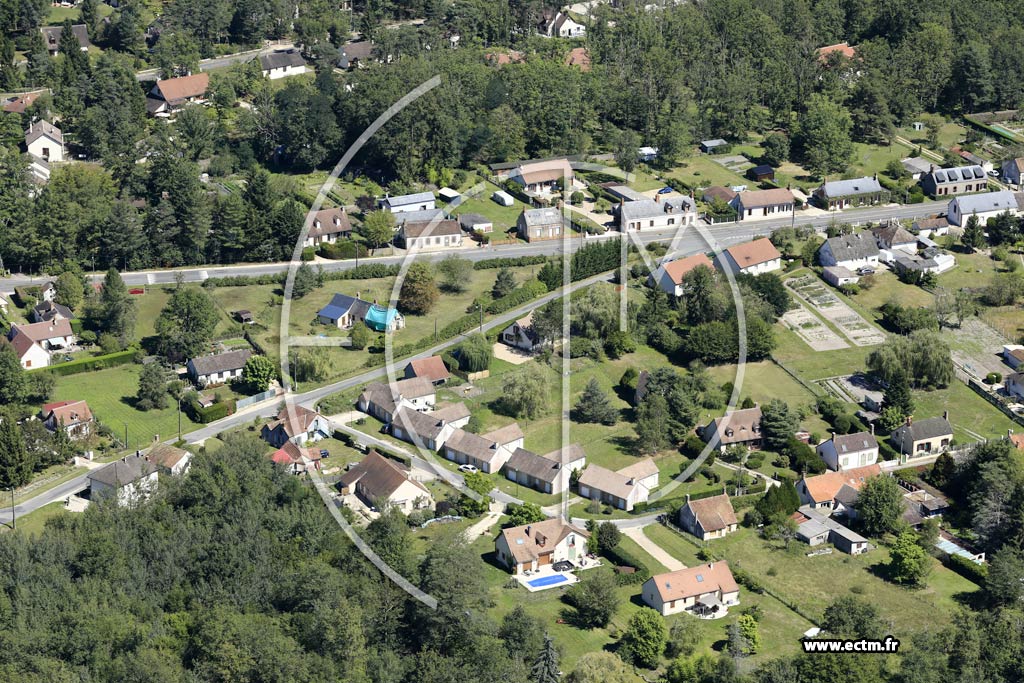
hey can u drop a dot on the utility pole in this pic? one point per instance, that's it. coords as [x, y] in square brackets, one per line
[481, 309]
[14, 514]
[125, 435]
[179, 418]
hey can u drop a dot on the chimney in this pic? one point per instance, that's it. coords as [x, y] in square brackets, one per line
[687, 498]
[945, 415]
[631, 481]
[657, 199]
[872, 429]
[833, 435]
[931, 168]
[528, 529]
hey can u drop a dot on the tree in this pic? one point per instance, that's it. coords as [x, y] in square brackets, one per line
[176, 54]
[775, 149]
[525, 513]
[305, 281]
[1003, 229]
[523, 634]
[880, 505]
[419, 292]
[524, 392]
[923, 355]
[117, 309]
[186, 324]
[455, 273]
[378, 228]
[973, 236]
[683, 638]
[908, 562]
[545, 666]
[15, 465]
[627, 146]
[70, 290]
[748, 628]
[595, 599]
[474, 354]
[942, 471]
[360, 336]
[601, 667]
[852, 617]
[1004, 584]
[504, 283]
[13, 387]
[152, 393]
[652, 416]
[257, 373]
[645, 637]
[823, 136]
[608, 536]
[778, 424]
[594, 406]
[898, 397]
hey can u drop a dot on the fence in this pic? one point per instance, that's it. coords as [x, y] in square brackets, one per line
[253, 400]
[994, 400]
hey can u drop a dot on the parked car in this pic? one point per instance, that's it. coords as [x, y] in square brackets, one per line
[467, 468]
[324, 453]
[665, 190]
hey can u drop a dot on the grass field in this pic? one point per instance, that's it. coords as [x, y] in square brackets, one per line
[809, 365]
[110, 394]
[702, 171]
[32, 524]
[764, 381]
[887, 287]
[503, 217]
[968, 412]
[971, 270]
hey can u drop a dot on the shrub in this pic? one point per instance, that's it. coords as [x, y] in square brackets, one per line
[993, 378]
[308, 254]
[109, 360]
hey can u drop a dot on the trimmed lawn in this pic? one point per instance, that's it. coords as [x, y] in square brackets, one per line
[795, 354]
[971, 271]
[702, 171]
[967, 411]
[887, 287]
[503, 217]
[110, 394]
[32, 524]
[764, 381]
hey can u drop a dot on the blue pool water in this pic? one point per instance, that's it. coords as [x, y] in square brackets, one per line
[546, 581]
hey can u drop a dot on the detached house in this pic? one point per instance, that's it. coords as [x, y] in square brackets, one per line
[815, 528]
[52, 35]
[45, 141]
[984, 206]
[708, 518]
[357, 54]
[836, 195]
[171, 94]
[755, 204]
[345, 311]
[282, 64]
[427, 235]
[563, 26]
[296, 459]
[430, 429]
[752, 258]
[48, 311]
[923, 437]
[128, 481]
[531, 546]
[707, 591]
[539, 224]
[548, 473]
[218, 368]
[1013, 170]
[377, 480]
[622, 489]
[432, 367]
[489, 452]
[853, 252]
[738, 427]
[382, 401]
[170, 459]
[654, 214]
[669, 276]
[821, 490]
[849, 451]
[34, 343]
[542, 177]
[419, 201]
[74, 417]
[297, 425]
[522, 335]
[942, 182]
[327, 227]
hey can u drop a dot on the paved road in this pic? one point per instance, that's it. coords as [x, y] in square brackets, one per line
[60, 492]
[220, 62]
[691, 242]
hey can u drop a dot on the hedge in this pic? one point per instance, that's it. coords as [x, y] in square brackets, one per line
[978, 573]
[109, 360]
[516, 262]
[528, 291]
[213, 413]
[623, 558]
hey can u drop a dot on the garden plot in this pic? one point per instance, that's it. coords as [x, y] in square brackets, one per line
[818, 335]
[977, 348]
[736, 163]
[836, 311]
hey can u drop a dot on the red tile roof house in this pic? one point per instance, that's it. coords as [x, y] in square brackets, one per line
[296, 459]
[706, 591]
[33, 343]
[820, 491]
[669, 276]
[170, 459]
[74, 416]
[708, 518]
[752, 258]
[171, 94]
[532, 546]
[622, 489]
[297, 425]
[432, 368]
[377, 481]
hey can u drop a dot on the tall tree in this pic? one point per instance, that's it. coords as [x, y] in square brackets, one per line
[419, 292]
[645, 637]
[545, 667]
[117, 309]
[378, 228]
[778, 424]
[880, 505]
[594, 406]
[823, 136]
[186, 324]
[152, 393]
[15, 466]
[504, 283]
[13, 386]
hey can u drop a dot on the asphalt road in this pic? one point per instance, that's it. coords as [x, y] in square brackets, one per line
[45, 498]
[219, 62]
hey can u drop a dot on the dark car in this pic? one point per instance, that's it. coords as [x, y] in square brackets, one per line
[324, 453]
[665, 190]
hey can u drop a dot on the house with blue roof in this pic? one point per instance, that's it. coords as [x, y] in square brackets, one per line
[346, 311]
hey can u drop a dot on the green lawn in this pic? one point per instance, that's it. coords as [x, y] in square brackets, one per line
[810, 365]
[972, 271]
[967, 411]
[503, 217]
[32, 524]
[764, 381]
[110, 394]
[886, 287]
[703, 171]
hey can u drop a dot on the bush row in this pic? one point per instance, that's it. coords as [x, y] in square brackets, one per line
[109, 360]
[621, 557]
[514, 262]
[528, 291]
[210, 414]
[978, 573]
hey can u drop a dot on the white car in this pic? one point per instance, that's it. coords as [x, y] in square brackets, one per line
[467, 468]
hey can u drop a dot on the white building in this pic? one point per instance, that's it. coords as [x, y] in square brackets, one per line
[45, 141]
[218, 368]
[282, 64]
[752, 258]
[532, 546]
[419, 201]
[622, 489]
[128, 481]
[669, 276]
[854, 251]
[849, 451]
[653, 214]
[706, 590]
[758, 204]
[984, 206]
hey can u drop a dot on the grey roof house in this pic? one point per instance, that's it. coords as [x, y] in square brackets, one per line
[540, 224]
[835, 195]
[942, 182]
[217, 368]
[850, 251]
[922, 437]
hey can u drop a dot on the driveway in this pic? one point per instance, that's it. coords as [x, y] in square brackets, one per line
[654, 550]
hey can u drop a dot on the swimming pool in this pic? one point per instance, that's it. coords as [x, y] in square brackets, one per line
[545, 581]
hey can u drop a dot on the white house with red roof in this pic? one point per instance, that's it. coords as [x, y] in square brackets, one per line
[669, 276]
[752, 258]
[73, 416]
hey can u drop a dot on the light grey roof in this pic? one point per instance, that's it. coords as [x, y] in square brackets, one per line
[221, 362]
[847, 495]
[860, 245]
[916, 165]
[840, 271]
[1003, 200]
[649, 208]
[415, 198]
[122, 472]
[38, 129]
[852, 443]
[421, 216]
[811, 528]
[852, 187]
[546, 216]
[469, 220]
[893, 234]
[717, 142]
[280, 60]
[923, 429]
[831, 524]
[426, 426]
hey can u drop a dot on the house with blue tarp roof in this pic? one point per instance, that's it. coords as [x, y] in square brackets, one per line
[345, 311]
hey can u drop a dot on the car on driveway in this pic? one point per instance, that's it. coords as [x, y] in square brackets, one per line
[468, 469]
[324, 453]
[665, 190]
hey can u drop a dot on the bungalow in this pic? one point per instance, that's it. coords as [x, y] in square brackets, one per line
[171, 94]
[843, 49]
[1012, 170]
[47, 311]
[45, 141]
[984, 206]
[474, 222]
[563, 26]
[756, 204]
[282, 64]
[849, 451]
[838, 276]
[929, 261]
[931, 227]
[708, 518]
[170, 459]
[522, 335]
[752, 258]
[356, 54]
[297, 425]
[432, 368]
[916, 167]
[345, 311]
[419, 201]
[836, 195]
[622, 489]
[706, 590]
[815, 528]
[941, 182]
[218, 368]
[327, 226]
[531, 546]
[720, 193]
[548, 473]
[539, 224]
[738, 427]
[654, 214]
[52, 34]
[427, 235]
[850, 251]
[543, 177]
[932, 435]
[19, 104]
[894, 238]
[295, 458]
[713, 146]
[74, 417]
[382, 401]
[430, 429]
[669, 276]
[820, 490]
[128, 481]
[1013, 355]
[377, 481]
[489, 452]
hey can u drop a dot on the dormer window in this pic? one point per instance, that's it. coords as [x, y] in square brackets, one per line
[729, 431]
